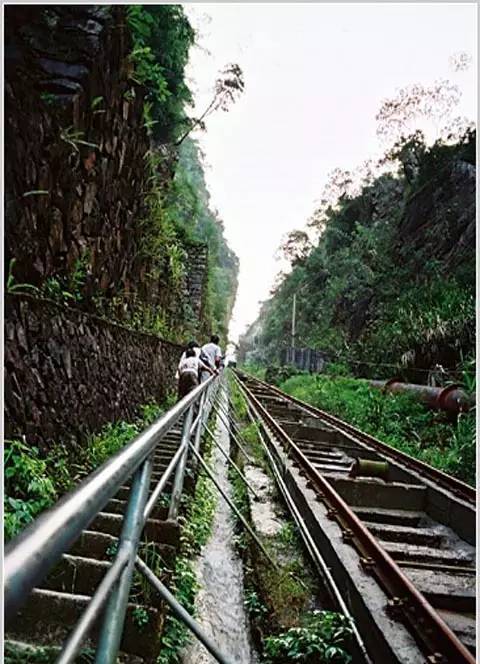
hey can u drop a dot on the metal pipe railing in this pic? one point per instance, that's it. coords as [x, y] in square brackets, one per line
[180, 471]
[114, 617]
[111, 596]
[74, 642]
[180, 612]
[31, 555]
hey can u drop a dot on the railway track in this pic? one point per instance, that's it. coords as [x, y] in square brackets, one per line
[399, 546]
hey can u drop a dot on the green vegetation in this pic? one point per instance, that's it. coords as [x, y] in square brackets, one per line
[189, 209]
[387, 286]
[162, 36]
[176, 218]
[29, 489]
[397, 419]
[178, 215]
[321, 638]
[25, 654]
[33, 482]
[380, 286]
[255, 369]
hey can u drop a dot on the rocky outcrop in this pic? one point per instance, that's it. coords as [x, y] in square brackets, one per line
[68, 373]
[439, 220]
[75, 147]
[196, 278]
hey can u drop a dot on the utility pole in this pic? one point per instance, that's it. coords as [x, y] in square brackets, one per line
[294, 307]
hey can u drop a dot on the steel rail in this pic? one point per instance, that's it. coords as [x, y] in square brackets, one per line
[231, 462]
[31, 555]
[234, 436]
[424, 622]
[459, 488]
[305, 533]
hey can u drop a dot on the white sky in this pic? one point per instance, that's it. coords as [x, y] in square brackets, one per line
[315, 76]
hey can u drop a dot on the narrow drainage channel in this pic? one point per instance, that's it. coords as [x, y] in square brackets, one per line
[220, 600]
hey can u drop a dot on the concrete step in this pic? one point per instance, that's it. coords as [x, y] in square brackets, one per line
[425, 554]
[116, 506]
[451, 591]
[162, 532]
[124, 492]
[102, 546]
[394, 517]
[406, 534]
[327, 454]
[49, 616]
[370, 492]
[76, 574]
[310, 433]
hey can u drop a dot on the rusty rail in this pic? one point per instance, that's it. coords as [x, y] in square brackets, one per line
[457, 487]
[425, 623]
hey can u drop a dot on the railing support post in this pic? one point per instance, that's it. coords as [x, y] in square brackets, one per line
[182, 464]
[112, 628]
[180, 612]
[198, 432]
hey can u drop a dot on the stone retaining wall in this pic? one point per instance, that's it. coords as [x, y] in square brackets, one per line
[68, 373]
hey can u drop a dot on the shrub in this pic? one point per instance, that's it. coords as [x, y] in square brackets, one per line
[321, 638]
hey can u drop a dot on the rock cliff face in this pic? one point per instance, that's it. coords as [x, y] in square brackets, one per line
[77, 155]
[77, 174]
[68, 373]
[75, 147]
[439, 220]
[196, 282]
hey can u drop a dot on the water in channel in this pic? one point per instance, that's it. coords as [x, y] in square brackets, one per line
[219, 602]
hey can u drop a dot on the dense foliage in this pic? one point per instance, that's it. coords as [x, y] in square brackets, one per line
[34, 481]
[190, 208]
[397, 419]
[175, 221]
[179, 214]
[391, 277]
[162, 36]
[180, 218]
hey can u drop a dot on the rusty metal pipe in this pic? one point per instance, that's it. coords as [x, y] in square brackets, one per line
[369, 468]
[451, 398]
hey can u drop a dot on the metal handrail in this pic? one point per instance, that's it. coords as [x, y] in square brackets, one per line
[31, 555]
